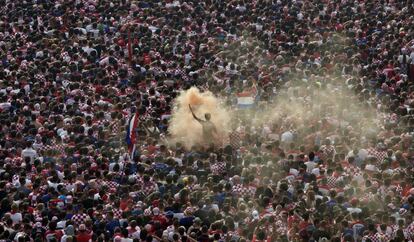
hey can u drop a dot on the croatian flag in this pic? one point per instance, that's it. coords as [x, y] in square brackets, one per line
[246, 99]
[131, 134]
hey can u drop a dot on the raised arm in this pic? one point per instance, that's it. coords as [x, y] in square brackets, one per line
[195, 117]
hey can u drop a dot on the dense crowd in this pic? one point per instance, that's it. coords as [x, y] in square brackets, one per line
[73, 72]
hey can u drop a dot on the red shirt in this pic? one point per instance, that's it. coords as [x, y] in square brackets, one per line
[147, 59]
[83, 237]
[291, 219]
[406, 190]
[124, 204]
[160, 218]
[256, 240]
[55, 233]
[152, 149]
[303, 225]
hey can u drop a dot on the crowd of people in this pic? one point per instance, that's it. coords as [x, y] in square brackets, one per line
[335, 164]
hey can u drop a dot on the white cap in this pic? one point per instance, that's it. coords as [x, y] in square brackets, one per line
[255, 214]
[156, 211]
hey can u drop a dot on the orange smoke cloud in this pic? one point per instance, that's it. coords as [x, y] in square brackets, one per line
[183, 128]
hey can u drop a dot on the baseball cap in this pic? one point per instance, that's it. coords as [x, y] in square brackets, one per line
[255, 214]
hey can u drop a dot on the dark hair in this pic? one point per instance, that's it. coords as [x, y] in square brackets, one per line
[261, 234]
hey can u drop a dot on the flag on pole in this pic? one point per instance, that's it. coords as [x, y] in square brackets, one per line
[129, 45]
[131, 134]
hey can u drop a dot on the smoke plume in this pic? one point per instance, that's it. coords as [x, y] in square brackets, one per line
[185, 129]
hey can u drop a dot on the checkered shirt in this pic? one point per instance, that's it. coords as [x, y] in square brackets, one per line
[44, 148]
[331, 181]
[380, 155]
[409, 231]
[79, 219]
[40, 77]
[375, 237]
[170, 71]
[168, 63]
[16, 161]
[117, 213]
[43, 189]
[23, 36]
[180, 71]
[386, 236]
[156, 70]
[185, 78]
[353, 172]
[60, 148]
[235, 139]
[244, 191]
[157, 54]
[218, 168]
[399, 189]
[65, 56]
[281, 227]
[111, 185]
[100, 122]
[149, 187]
[328, 151]
[394, 229]
[19, 127]
[398, 170]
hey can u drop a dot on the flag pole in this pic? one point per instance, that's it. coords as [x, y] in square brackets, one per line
[129, 44]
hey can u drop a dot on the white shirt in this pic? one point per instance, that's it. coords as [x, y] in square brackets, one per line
[136, 234]
[401, 58]
[310, 165]
[16, 217]
[362, 154]
[187, 58]
[29, 152]
[287, 137]
[354, 210]
[5, 106]
[61, 224]
[64, 237]
[88, 49]
[126, 240]
[82, 30]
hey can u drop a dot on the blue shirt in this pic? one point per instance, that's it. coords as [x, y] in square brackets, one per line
[111, 225]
